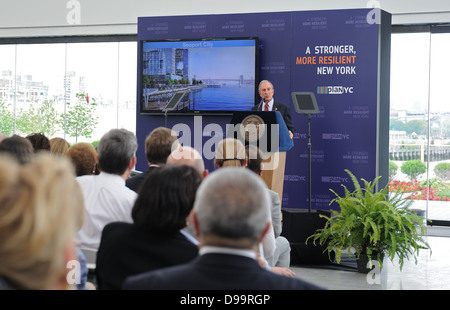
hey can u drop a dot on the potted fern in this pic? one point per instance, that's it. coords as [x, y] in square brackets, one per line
[372, 225]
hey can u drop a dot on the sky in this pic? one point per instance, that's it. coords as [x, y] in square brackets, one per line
[97, 62]
[410, 72]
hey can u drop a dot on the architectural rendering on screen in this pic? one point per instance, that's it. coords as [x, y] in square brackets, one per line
[217, 75]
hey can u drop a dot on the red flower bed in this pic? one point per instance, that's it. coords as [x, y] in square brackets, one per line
[404, 187]
[418, 192]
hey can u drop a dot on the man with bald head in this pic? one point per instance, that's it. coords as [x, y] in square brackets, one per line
[186, 155]
[231, 217]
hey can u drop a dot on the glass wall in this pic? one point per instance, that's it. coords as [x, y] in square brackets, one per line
[419, 122]
[77, 91]
[439, 131]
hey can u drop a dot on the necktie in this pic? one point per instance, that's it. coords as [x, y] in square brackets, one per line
[266, 107]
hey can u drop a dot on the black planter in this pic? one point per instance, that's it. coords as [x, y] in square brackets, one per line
[363, 262]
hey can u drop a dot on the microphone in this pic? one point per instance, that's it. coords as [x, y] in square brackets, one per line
[261, 105]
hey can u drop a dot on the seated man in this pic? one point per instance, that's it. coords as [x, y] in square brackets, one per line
[158, 145]
[106, 197]
[231, 216]
[186, 155]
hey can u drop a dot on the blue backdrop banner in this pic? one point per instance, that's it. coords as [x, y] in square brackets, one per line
[336, 55]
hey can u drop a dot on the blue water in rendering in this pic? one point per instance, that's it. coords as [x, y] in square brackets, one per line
[225, 98]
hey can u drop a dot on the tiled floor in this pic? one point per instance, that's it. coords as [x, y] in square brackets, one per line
[432, 272]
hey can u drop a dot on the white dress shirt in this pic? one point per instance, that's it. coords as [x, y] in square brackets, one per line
[106, 200]
[263, 104]
[224, 250]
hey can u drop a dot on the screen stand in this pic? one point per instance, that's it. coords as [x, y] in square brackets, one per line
[305, 103]
[165, 118]
[172, 104]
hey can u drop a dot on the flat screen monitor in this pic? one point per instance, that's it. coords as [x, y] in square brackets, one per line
[305, 103]
[219, 75]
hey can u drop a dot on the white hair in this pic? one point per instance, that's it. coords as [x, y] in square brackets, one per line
[232, 203]
[264, 81]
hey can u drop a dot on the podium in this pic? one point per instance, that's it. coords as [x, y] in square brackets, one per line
[268, 131]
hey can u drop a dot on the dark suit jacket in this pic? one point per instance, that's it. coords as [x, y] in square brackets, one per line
[214, 271]
[127, 250]
[135, 181]
[284, 111]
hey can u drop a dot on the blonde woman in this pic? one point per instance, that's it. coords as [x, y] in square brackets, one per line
[41, 207]
[230, 152]
[59, 146]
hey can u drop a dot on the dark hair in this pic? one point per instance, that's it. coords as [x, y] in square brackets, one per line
[39, 142]
[254, 159]
[19, 147]
[165, 199]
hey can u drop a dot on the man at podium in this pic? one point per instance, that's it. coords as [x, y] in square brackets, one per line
[267, 103]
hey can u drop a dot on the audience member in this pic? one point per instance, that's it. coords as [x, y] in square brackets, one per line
[154, 240]
[231, 217]
[84, 157]
[106, 197]
[18, 147]
[230, 152]
[186, 155]
[158, 146]
[41, 205]
[59, 146]
[282, 255]
[39, 142]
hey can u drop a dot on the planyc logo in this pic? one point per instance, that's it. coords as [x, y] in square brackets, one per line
[73, 17]
[215, 132]
[333, 179]
[335, 136]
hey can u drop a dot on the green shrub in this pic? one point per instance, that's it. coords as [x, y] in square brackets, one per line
[392, 170]
[413, 168]
[442, 171]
